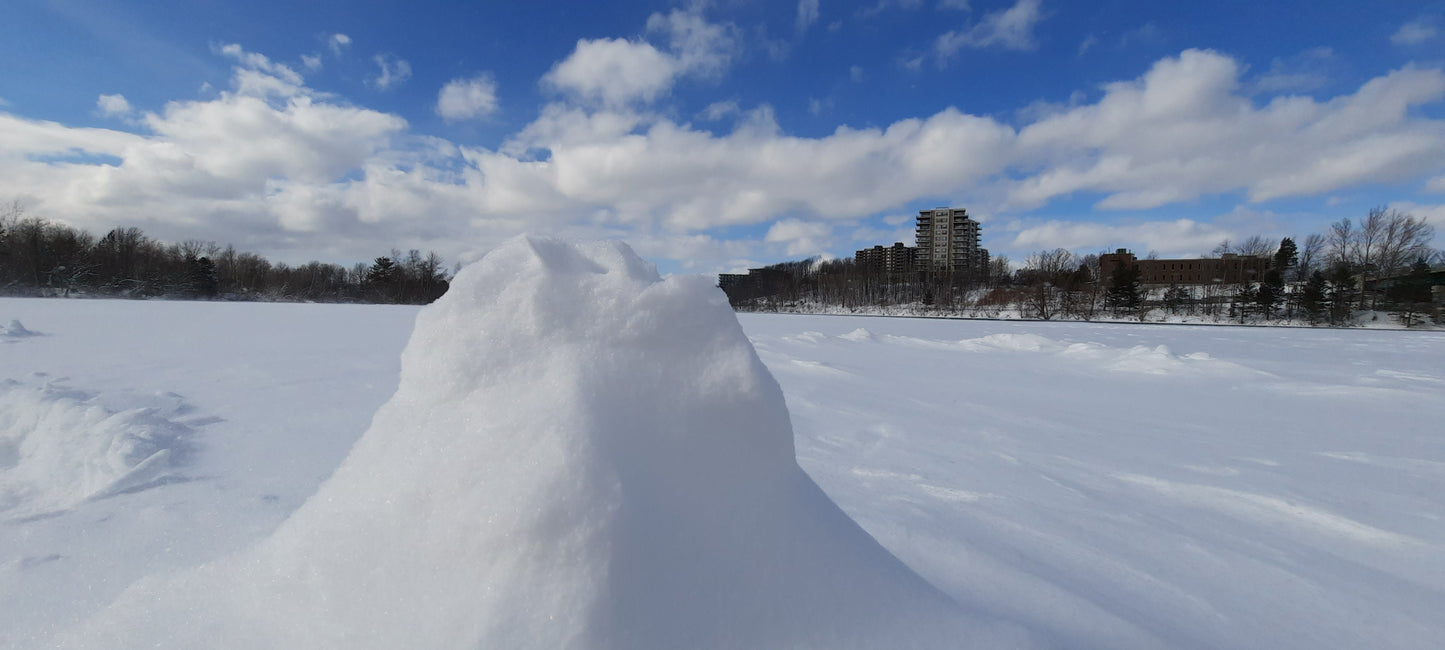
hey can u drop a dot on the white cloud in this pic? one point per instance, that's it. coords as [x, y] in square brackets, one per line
[113, 105]
[1436, 185]
[1435, 213]
[817, 106]
[1177, 238]
[276, 167]
[855, 73]
[614, 71]
[337, 43]
[260, 63]
[1183, 130]
[311, 62]
[1010, 29]
[1414, 32]
[1303, 72]
[393, 72]
[801, 237]
[1087, 44]
[717, 111]
[466, 99]
[960, 5]
[807, 14]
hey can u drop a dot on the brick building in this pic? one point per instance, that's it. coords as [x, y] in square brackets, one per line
[1226, 269]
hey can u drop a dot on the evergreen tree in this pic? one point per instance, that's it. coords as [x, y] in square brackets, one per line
[1286, 256]
[1175, 297]
[1340, 293]
[1411, 295]
[201, 278]
[1314, 300]
[1246, 300]
[1267, 296]
[1125, 293]
[381, 279]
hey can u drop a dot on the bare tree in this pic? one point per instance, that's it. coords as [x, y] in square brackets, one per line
[1256, 245]
[1310, 253]
[1339, 241]
[1402, 240]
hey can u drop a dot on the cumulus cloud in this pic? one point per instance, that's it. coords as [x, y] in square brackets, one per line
[801, 237]
[1010, 29]
[614, 71]
[273, 166]
[113, 105]
[338, 42]
[1414, 32]
[1184, 130]
[466, 99]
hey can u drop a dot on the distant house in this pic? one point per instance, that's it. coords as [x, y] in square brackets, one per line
[1226, 269]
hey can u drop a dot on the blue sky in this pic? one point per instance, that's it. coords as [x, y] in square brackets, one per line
[719, 135]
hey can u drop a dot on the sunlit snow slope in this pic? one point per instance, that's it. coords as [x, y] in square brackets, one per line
[1100, 486]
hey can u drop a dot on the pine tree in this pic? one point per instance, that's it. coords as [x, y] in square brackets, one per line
[381, 279]
[1314, 299]
[1175, 297]
[1411, 295]
[1125, 293]
[201, 278]
[1286, 257]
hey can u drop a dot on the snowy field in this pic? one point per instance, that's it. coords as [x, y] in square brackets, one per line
[1068, 485]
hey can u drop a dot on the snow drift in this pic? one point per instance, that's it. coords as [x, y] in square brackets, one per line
[60, 446]
[580, 454]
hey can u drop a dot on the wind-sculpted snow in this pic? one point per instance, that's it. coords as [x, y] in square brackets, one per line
[60, 446]
[580, 454]
[15, 331]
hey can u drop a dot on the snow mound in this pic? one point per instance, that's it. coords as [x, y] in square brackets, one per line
[1014, 342]
[60, 446]
[580, 454]
[16, 331]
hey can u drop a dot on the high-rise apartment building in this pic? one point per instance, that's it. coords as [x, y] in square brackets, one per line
[948, 242]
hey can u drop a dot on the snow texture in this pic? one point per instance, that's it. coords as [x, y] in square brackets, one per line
[15, 331]
[1101, 485]
[60, 446]
[580, 454]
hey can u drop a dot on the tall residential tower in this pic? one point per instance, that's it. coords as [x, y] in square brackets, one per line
[948, 242]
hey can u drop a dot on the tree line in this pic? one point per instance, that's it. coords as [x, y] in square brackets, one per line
[1384, 261]
[39, 257]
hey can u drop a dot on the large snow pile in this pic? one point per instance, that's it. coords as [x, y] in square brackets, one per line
[580, 454]
[60, 446]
